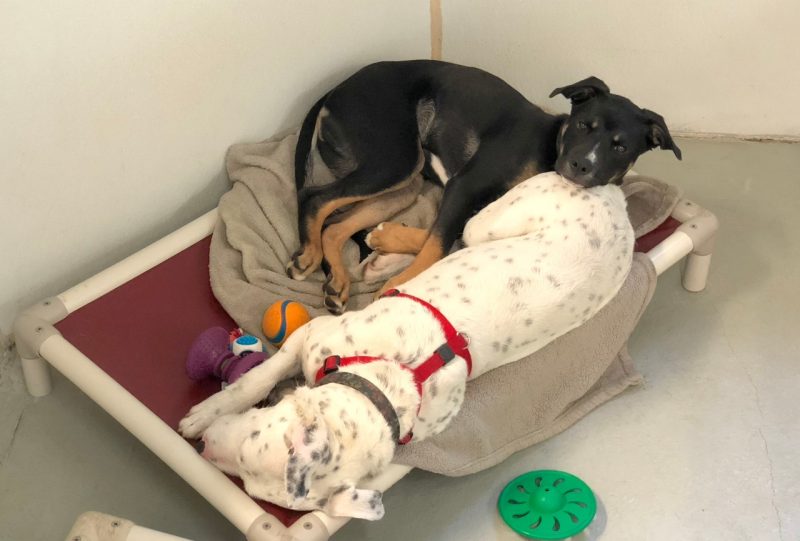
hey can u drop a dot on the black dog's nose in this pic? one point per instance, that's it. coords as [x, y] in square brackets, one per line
[199, 446]
[580, 166]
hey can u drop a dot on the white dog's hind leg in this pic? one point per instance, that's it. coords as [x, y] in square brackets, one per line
[248, 390]
[515, 214]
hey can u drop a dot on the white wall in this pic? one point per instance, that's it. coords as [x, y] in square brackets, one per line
[723, 66]
[115, 116]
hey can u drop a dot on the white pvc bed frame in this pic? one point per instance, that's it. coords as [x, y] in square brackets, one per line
[40, 344]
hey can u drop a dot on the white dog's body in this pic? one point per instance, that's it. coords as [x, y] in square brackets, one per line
[538, 262]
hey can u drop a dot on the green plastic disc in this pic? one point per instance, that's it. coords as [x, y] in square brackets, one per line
[547, 504]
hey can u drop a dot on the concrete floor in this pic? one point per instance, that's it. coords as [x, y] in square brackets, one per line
[708, 448]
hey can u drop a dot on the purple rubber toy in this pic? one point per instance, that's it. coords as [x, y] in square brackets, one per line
[210, 355]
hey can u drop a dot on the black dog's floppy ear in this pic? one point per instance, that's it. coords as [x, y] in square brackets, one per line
[582, 90]
[658, 135]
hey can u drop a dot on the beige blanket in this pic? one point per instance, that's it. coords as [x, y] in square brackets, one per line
[507, 409]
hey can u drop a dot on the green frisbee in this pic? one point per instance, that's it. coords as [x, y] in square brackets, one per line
[547, 504]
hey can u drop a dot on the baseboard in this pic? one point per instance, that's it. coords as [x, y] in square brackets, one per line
[728, 137]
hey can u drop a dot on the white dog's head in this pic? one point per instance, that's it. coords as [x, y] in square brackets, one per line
[307, 452]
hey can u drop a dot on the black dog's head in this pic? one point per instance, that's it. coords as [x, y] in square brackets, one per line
[605, 134]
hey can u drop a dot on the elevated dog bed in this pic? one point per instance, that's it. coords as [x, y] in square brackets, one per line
[545, 392]
[162, 299]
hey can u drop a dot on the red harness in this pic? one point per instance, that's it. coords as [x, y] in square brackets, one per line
[456, 344]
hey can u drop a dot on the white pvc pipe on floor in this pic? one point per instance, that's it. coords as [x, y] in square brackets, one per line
[148, 428]
[671, 250]
[143, 260]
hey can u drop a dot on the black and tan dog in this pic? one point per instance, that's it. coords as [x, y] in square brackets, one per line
[392, 121]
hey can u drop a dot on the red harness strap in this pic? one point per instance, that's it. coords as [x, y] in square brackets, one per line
[456, 344]
[333, 362]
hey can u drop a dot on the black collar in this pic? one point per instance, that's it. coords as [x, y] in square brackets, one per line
[373, 394]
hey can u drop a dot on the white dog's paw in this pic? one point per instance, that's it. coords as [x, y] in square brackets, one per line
[203, 414]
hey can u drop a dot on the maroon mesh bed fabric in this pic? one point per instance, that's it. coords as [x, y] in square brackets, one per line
[140, 333]
[649, 241]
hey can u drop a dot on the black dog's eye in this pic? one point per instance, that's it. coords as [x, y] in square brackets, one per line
[619, 148]
[582, 125]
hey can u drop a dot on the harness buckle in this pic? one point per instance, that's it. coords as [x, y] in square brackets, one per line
[445, 352]
[331, 364]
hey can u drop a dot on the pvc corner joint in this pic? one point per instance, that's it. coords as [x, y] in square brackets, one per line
[307, 528]
[702, 229]
[267, 528]
[94, 526]
[34, 325]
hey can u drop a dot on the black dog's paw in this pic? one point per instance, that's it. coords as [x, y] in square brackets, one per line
[299, 268]
[335, 300]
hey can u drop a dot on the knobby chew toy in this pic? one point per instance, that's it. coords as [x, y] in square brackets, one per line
[282, 319]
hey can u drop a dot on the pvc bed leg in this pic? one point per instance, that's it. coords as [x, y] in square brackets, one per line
[31, 328]
[695, 273]
[37, 376]
[703, 231]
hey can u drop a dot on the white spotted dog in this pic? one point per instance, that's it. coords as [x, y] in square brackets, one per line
[538, 262]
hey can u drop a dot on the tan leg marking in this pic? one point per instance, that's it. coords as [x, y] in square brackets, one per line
[432, 251]
[395, 238]
[309, 259]
[363, 215]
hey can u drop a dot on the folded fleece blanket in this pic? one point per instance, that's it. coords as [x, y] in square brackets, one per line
[505, 410]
